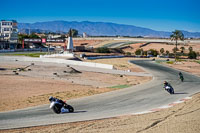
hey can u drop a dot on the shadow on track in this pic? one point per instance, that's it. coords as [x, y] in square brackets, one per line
[74, 112]
[79, 111]
[177, 93]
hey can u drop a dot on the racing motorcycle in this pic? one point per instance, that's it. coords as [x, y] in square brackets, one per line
[58, 107]
[169, 89]
[181, 77]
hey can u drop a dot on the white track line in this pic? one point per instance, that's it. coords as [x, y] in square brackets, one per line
[163, 107]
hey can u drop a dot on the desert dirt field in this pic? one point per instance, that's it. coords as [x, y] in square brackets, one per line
[120, 63]
[36, 84]
[182, 118]
[190, 66]
[158, 46]
[87, 42]
[33, 87]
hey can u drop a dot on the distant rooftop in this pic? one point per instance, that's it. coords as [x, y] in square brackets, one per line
[10, 20]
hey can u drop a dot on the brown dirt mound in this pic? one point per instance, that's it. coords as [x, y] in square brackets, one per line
[72, 70]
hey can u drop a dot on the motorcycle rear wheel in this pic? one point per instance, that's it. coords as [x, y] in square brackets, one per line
[70, 108]
[172, 91]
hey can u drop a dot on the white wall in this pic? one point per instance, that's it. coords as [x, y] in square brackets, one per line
[54, 60]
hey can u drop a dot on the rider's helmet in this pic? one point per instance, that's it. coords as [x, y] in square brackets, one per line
[51, 98]
[165, 82]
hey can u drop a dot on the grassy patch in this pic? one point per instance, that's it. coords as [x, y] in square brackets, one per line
[159, 61]
[180, 60]
[170, 62]
[198, 61]
[28, 54]
[120, 86]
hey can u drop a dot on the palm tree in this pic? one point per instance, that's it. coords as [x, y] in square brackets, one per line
[73, 32]
[177, 35]
[190, 49]
[175, 49]
[167, 52]
[162, 50]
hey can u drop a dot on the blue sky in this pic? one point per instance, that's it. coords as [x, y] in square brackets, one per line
[163, 15]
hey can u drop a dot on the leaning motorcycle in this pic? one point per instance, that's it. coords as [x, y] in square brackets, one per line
[181, 77]
[60, 108]
[169, 89]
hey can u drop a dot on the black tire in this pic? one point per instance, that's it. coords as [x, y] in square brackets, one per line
[168, 90]
[172, 91]
[56, 110]
[71, 109]
[182, 79]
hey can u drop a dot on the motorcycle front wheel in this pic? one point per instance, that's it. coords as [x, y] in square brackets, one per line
[56, 110]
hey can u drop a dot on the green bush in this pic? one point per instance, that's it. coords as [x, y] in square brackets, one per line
[120, 86]
[154, 52]
[180, 60]
[198, 61]
[139, 51]
[128, 53]
[28, 54]
[192, 55]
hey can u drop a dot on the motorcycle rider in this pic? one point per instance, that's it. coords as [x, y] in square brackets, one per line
[167, 85]
[181, 76]
[56, 100]
[61, 102]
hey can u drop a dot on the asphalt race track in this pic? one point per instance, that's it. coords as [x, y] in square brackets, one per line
[125, 101]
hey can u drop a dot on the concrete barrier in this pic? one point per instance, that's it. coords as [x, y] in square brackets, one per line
[58, 55]
[54, 60]
[103, 57]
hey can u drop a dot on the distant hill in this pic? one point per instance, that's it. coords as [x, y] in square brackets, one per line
[97, 29]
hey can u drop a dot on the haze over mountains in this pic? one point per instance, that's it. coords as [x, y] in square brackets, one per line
[97, 29]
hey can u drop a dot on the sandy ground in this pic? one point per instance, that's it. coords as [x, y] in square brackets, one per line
[34, 87]
[133, 47]
[120, 63]
[158, 46]
[87, 42]
[106, 42]
[182, 118]
[189, 66]
[79, 42]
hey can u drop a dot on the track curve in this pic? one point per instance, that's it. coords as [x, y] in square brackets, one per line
[126, 101]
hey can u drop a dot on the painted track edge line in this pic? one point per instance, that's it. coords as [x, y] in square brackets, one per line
[163, 107]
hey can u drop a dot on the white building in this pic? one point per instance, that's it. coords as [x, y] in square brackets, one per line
[52, 36]
[8, 31]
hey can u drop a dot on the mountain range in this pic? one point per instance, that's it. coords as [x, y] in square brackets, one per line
[97, 29]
